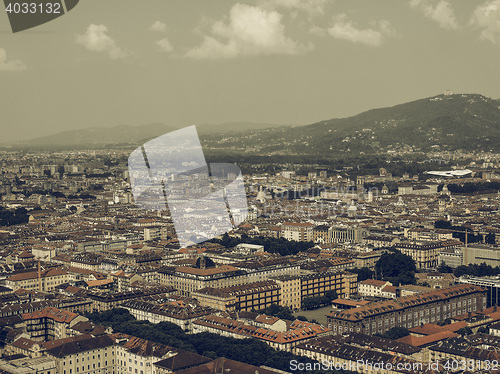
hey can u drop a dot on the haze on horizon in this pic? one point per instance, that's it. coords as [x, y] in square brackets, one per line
[121, 62]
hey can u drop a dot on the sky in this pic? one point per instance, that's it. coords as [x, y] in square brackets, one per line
[129, 62]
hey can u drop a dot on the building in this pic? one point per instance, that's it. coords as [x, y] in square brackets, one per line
[351, 351]
[428, 235]
[298, 231]
[426, 256]
[262, 270]
[246, 297]
[322, 234]
[380, 241]
[291, 294]
[295, 333]
[409, 311]
[317, 284]
[46, 280]
[490, 284]
[50, 323]
[96, 355]
[347, 234]
[367, 259]
[372, 287]
[436, 280]
[480, 253]
[187, 279]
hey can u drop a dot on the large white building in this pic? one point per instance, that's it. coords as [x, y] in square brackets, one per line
[372, 287]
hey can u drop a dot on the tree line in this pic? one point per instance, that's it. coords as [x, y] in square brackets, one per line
[250, 351]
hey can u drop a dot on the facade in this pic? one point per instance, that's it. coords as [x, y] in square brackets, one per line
[94, 355]
[187, 279]
[287, 340]
[423, 234]
[367, 259]
[409, 311]
[317, 284]
[347, 234]
[436, 280]
[322, 234]
[478, 254]
[351, 351]
[291, 295]
[426, 256]
[47, 280]
[300, 232]
[50, 323]
[372, 287]
[247, 297]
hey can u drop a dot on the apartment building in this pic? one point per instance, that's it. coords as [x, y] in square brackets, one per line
[409, 311]
[50, 323]
[428, 235]
[296, 332]
[181, 314]
[317, 284]
[347, 351]
[367, 259]
[298, 231]
[262, 270]
[47, 280]
[187, 279]
[102, 301]
[347, 234]
[246, 297]
[91, 355]
[372, 287]
[291, 292]
[426, 256]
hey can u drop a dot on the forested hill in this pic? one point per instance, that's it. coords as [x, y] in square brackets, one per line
[443, 122]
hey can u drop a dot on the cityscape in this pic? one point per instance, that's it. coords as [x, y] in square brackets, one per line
[250, 187]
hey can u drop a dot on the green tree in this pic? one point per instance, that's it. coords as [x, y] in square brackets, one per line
[396, 267]
[443, 268]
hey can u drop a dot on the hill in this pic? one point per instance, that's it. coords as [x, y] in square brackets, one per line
[101, 136]
[443, 122]
[469, 122]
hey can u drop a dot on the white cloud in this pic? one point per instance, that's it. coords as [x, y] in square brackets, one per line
[9, 64]
[441, 12]
[487, 17]
[248, 30]
[96, 39]
[158, 27]
[165, 45]
[344, 29]
[313, 7]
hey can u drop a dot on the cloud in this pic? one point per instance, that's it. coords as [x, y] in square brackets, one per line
[346, 30]
[441, 12]
[248, 30]
[165, 45]
[9, 64]
[312, 7]
[487, 17]
[158, 27]
[96, 39]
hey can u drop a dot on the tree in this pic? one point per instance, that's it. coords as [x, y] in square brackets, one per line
[396, 267]
[465, 331]
[395, 333]
[483, 330]
[363, 273]
[443, 268]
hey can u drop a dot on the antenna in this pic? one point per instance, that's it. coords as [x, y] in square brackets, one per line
[39, 277]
